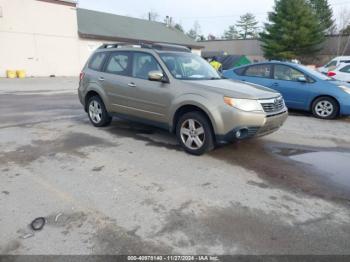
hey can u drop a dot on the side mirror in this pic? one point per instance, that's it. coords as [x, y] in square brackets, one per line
[156, 76]
[302, 79]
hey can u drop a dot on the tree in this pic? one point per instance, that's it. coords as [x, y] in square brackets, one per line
[247, 26]
[230, 33]
[324, 12]
[211, 37]
[179, 27]
[345, 31]
[153, 16]
[293, 31]
[194, 32]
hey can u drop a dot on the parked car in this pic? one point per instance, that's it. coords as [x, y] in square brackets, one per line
[334, 63]
[301, 87]
[170, 87]
[341, 73]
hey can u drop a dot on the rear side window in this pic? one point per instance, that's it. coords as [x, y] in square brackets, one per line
[119, 63]
[345, 69]
[239, 71]
[345, 61]
[97, 61]
[259, 71]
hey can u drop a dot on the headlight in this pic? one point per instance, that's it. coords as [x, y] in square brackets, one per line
[345, 89]
[248, 105]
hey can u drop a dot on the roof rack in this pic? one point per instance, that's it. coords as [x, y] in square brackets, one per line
[154, 46]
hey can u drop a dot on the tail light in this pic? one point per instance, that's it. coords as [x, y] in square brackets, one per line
[331, 74]
[81, 76]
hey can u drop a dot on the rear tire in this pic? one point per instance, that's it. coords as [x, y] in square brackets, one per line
[97, 112]
[325, 108]
[194, 133]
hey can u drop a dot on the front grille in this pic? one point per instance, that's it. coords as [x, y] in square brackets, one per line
[273, 105]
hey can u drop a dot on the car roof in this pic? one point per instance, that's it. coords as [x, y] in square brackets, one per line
[269, 62]
[342, 65]
[342, 57]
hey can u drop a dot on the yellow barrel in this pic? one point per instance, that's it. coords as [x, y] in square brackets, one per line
[11, 74]
[21, 73]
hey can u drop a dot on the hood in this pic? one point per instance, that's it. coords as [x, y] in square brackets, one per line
[340, 83]
[235, 89]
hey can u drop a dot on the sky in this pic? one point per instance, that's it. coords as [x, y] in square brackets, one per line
[214, 16]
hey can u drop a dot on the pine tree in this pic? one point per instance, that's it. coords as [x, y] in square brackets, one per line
[293, 31]
[179, 27]
[324, 13]
[231, 33]
[194, 33]
[247, 26]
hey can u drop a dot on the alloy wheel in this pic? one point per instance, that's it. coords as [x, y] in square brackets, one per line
[192, 134]
[95, 112]
[324, 108]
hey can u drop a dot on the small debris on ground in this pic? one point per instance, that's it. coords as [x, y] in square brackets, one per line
[38, 223]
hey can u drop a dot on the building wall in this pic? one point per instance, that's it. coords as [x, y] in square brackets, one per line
[41, 38]
[333, 46]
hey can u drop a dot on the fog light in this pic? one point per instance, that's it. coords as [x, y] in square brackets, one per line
[238, 134]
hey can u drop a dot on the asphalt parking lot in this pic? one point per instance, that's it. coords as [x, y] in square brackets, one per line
[130, 189]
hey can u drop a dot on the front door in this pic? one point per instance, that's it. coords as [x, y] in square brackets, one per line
[294, 85]
[152, 99]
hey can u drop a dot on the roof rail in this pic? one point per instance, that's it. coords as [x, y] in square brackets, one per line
[155, 46]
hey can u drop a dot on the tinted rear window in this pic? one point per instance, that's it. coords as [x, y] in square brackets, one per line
[239, 71]
[119, 63]
[97, 61]
[261, 70]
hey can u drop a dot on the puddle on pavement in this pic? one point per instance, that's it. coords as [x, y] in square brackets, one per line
[334, 165]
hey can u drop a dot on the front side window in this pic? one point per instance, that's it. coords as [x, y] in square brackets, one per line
[119, 63]
[143, 64]
[188, 66]
[287, 73]
[259, 71]
[97, 61]
[345, 69]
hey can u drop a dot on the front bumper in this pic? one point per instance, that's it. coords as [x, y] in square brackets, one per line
[271, 124]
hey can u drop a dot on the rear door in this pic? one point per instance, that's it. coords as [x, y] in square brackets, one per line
[258, 74]
[343, 74]
[290, 83]
[118, 83]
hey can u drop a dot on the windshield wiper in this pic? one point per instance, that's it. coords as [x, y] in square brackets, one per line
[216, 78]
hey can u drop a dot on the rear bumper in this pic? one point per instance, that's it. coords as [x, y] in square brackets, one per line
[271, 125]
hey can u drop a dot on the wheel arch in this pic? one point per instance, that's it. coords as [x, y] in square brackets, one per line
[91, 93]
[319, 96]
[186, 108]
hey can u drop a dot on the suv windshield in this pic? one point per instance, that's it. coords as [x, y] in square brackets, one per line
[188, 66]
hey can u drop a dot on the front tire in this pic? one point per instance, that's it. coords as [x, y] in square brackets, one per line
[325, 108]
[194, 133]
[97, 112]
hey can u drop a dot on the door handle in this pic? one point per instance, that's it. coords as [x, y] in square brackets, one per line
[275, 84]
[101, 78]
[132, 84]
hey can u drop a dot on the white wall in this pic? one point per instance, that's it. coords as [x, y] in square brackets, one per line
[41, 38]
